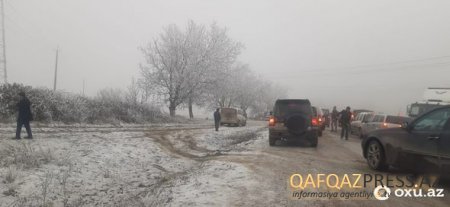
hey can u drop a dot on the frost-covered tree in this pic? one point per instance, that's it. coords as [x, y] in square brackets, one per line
[179, 64]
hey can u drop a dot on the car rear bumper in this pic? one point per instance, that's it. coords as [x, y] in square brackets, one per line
[312, 132]
[229, 121]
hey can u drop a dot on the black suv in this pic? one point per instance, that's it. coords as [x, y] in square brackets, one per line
[292, 119]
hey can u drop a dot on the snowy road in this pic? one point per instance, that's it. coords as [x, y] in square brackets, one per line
[172, 165]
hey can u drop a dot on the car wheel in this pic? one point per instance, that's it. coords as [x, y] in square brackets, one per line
[376, 158]
[314, 141]
[272, 140]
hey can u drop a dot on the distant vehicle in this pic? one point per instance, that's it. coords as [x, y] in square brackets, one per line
[433, 98]
[292, 119]
[357, 111]
[267, 116]
[318, 114]
[326, 117]
[232, 117]
[422, 146]
[359, 120]
[382, 121]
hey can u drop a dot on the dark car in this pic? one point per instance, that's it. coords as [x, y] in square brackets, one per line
[420, 146]
[292, 119]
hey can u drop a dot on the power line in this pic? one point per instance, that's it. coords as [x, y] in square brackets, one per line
[359, 67]
[429, 67]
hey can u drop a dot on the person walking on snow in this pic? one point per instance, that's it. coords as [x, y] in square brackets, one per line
[217, 119]
[334, 119]
[346, 117]
[24, 117]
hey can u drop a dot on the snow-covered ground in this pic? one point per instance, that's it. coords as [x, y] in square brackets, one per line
[126, 165]
[170, 165]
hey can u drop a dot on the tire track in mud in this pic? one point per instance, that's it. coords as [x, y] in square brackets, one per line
[190, 150]
[162, 137]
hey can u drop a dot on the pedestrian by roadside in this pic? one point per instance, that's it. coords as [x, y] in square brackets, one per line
[24, 116]
[217, 119]
[345, 118]
[334, 119]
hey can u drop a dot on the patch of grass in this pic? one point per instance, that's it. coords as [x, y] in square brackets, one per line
[11, 174]
[11, 191]
[24, 154]
[242, 137]
[46, 181]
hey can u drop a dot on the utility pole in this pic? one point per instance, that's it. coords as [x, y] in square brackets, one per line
[56, 69]
[3, 73]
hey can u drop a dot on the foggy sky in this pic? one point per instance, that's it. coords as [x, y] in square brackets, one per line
[378, 54]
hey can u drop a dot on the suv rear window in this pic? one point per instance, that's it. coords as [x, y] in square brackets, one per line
[378, 118]
[367, 117]
[228, 111]
[314, 111]
[283, 107]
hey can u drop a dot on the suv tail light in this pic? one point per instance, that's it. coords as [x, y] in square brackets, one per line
[272, 121]
[314, 122]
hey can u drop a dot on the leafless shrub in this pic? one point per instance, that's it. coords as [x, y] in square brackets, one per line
[139, 200]
[63, 178]
[107, 169]
[31, 201]
[11, 174]
[65, 159]
[77, 202]
[11, 190]
[46, 181]
[49, 105]
[24, 154]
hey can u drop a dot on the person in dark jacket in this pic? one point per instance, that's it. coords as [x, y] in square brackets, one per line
[334, 119]
[345, 118]
[24, 117]
[217, 119]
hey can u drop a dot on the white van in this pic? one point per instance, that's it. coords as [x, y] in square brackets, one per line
[232, 117]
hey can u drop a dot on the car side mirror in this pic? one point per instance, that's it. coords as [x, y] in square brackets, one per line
[406, 126]
[271, 113]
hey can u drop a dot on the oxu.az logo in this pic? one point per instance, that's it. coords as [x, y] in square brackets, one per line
[381, 192]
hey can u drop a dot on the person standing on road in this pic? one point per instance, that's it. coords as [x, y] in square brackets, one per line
[24, 117]
[334, 119]
[345, 118]
[217, 119]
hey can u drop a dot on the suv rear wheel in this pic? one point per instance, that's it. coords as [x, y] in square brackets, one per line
[272, 140]
[314, 141]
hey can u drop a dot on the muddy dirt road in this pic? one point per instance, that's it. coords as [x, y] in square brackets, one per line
[248, 172]
[171, 165]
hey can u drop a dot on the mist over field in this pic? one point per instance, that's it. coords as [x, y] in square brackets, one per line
[334, 53]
